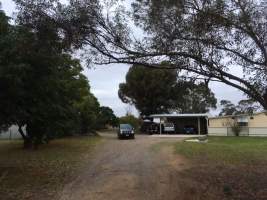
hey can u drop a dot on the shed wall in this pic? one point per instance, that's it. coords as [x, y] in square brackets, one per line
[257, 126]
[259, 121]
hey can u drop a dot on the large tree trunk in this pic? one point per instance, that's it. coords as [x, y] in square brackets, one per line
[34, 132]
[27, 140]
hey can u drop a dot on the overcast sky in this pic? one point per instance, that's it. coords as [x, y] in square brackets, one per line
[104, 81]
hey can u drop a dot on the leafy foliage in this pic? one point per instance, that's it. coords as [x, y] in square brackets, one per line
[42, 85]
[247, 106]
[150, 90]
[160, 91]
[88, 114]
[194, 97]
[130, 119]
[107, 117]
[209, 39]
[228, 108]
[236, 128]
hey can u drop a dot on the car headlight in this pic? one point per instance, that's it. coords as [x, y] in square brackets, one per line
[132, 132]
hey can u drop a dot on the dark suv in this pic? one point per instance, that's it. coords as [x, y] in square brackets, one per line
[125, 131]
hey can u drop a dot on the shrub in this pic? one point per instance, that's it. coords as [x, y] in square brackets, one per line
[132, 120]
[236, 128]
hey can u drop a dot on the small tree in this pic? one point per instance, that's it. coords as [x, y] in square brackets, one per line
[130, 119]
[107, 117]
[236, 128]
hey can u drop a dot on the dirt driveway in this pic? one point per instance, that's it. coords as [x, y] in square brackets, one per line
[128, 169]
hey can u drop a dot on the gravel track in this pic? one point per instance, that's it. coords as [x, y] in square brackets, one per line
[128, 170]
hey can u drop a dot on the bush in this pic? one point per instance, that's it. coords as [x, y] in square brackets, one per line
[132, 120]
[236, 129]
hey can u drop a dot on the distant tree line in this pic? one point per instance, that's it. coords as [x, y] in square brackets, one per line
[247, 106]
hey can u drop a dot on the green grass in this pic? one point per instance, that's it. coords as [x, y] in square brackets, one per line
[37, 174]
[224, 168]
[226, 149]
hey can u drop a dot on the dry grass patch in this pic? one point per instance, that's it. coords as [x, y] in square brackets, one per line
[40, 174]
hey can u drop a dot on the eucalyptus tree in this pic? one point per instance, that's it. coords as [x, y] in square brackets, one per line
[228, 108]
[151, 91]
[154, 91]
[246, 106]
[210, 39]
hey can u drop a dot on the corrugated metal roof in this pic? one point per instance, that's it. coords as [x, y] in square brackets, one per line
[180, 115]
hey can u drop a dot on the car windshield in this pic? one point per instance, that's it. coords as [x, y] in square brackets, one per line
[169, 124]
[125, 126]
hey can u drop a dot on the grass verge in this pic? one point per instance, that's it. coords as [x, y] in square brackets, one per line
[41, 174]
[225, 168]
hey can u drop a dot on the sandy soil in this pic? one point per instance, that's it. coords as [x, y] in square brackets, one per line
[128, 170]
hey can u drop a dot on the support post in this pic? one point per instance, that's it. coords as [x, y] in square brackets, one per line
[198, 123]
[160, 128]
[207, 120]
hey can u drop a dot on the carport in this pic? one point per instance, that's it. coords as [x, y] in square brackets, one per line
[199, 121]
